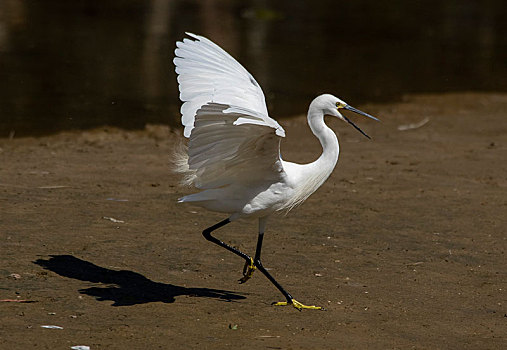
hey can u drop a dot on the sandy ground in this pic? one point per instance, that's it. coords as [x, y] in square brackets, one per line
[405, 245]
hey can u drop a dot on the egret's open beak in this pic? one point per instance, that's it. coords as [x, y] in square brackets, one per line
[355, 110]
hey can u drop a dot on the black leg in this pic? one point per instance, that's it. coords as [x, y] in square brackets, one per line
[288, 297]
[254, 263]
[258, 264]
[250, 266]
[259, 246]
[261, 268]
[207, 234]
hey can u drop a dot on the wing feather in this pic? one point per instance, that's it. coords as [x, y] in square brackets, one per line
[206, 73]
[222, 153]
[231, 137]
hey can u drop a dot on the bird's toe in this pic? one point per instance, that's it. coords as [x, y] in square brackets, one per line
[296, 304]
[248, 271]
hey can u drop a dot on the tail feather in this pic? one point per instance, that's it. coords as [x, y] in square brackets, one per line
[196, 197]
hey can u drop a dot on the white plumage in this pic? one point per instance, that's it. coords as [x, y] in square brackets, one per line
[233, 153]
[206, 73]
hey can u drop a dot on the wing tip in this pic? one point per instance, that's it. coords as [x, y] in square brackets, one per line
[195, 36]
[180, 43]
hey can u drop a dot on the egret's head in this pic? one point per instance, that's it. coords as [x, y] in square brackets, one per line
[331, 105]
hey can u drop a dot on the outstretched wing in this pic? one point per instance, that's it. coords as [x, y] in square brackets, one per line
[206, 73]
[231, 144]
[232, 138]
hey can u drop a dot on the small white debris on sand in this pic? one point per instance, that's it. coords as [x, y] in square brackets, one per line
[113, 219]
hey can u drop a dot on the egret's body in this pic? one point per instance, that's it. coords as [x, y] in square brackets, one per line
[234, 146]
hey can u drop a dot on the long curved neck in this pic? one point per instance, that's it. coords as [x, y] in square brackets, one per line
[307, 178]
[327, 138]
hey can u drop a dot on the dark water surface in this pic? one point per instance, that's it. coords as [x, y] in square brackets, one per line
[82, 64]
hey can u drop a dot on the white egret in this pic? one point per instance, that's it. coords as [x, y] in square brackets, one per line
[233, 152]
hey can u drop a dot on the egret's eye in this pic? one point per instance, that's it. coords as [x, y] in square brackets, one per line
[339, 105]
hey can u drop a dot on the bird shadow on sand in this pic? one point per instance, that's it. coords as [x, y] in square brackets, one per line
[125, 288]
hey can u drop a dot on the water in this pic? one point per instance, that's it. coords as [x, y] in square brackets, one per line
[82, 64]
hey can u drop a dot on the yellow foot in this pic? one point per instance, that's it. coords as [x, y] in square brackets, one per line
[298, 305]
[248, 271]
